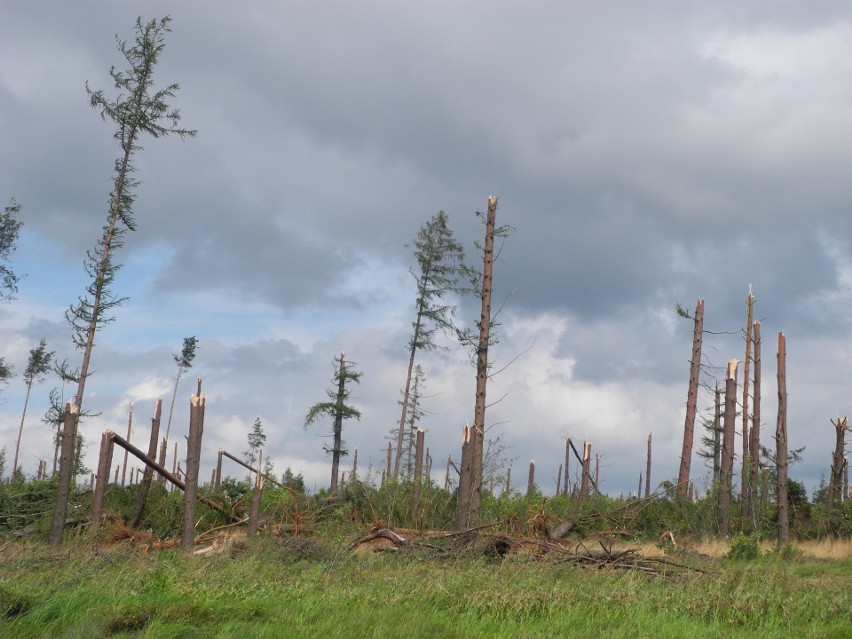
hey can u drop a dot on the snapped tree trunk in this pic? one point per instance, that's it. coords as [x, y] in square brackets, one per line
[193, 463]
[468, 509]
[745, 475]
[104, 464]
[565, 488]
[145, 485]
[835, 482]
[418, 473]
[648, 469]
[781, 497]
[754, 433]
[66, 467]
[691, 401]
[531, 479]
[727, 467]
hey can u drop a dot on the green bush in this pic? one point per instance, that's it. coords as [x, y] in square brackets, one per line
[744, 548]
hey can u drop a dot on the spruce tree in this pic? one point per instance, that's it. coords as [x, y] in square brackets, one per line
[338, 410]
[440, 262]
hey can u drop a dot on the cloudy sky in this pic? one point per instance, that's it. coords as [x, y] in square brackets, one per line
[644, 158]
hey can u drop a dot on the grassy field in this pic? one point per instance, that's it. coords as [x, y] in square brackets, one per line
[302, 588]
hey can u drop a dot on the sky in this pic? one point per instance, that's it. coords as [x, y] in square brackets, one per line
[645, 158]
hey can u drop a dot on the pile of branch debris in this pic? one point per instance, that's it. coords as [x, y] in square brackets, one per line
[480, 541]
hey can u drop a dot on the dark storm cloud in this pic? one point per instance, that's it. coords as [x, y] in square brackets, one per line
[645, 158]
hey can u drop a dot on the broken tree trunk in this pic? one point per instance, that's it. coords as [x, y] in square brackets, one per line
[586, 477]
[469, 504]
[565, 488]
[418, 472]
[691, 401]
[727, 467]
[531, 480]
[648, 469]
[754, 433]
[145, 486]
[193, 463]
[745, 475]
[104, 463]
[781, 445]
[835, 482]
[254, 510]
[66, 468]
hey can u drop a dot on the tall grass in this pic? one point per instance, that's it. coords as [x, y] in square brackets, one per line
[284, 588]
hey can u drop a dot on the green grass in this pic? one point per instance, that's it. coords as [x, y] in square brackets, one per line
[271, 589]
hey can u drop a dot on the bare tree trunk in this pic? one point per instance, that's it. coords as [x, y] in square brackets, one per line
[254, 510]
[145, 486]
[835, 482]
[469, 509]
[66, 467]
[717, 443]
[558, 480]
[531, 480]
[754, 434]
[648, 469]
[388, 471]
[338, 428]
[104, 464]
[639, 489]
[20, 432]
[193, 463]
[406, 392]
[129, 431]
[464, 488]
[418, 473]
[447, 476]
[217, 477]
[565, 487]
[691, 401]
[584, 481]
[781, 445]
[727, 467]
[745, 475]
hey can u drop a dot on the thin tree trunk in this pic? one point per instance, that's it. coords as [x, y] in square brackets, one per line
[745, 475]
[20, 432]
[565, 487]
[104, 464]
[754, 434]
[584, 481]
[193, 463]
[781, 445]
[418, 473]
[727, 467]
[648, 469]
[468, 510]
[717, 436]
[691, 401]
[129, 431]
[835, 482]
[406, 392]
[639, 489]
[531, 480]
[66, 466]
[254, 510]
[558, 481]
[145, 486]
[338, 427]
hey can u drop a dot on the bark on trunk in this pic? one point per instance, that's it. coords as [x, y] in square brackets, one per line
[781, 445]
[745, 475]
[193, 463]
[691, 401]
[531, 480]
[727, 467]
[66, 467]
[104, 464]
[648, 469]
[418, 473]
[145, 486]
[754, 433]
[469, 509]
